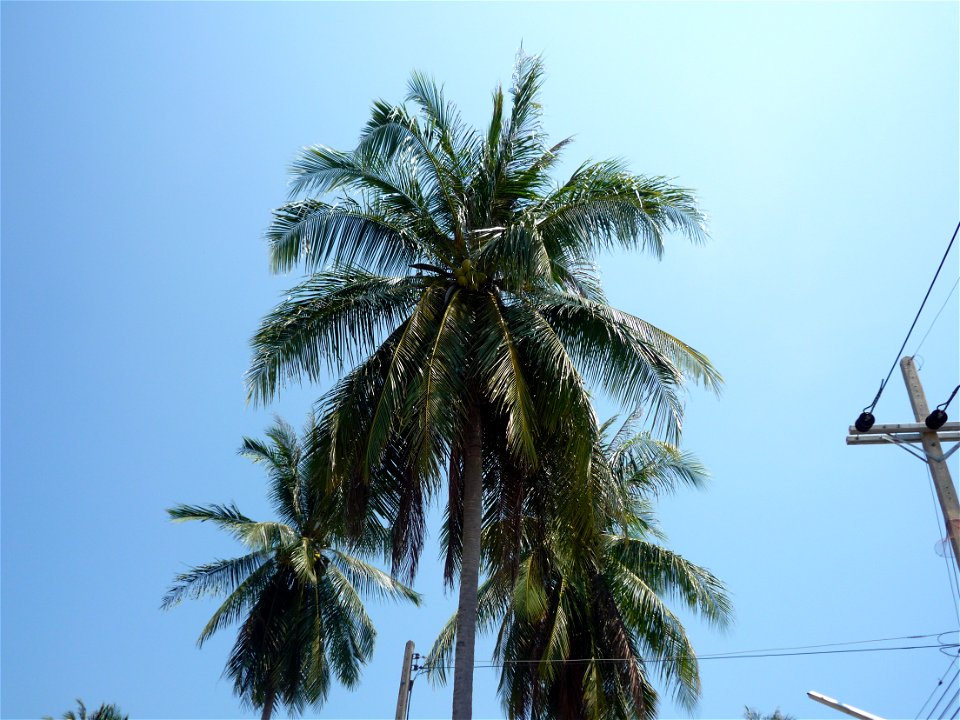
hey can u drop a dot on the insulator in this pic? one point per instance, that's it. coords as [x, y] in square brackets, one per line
[865, 421]
[936, 419]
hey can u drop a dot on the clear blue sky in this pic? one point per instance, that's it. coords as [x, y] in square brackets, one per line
[144, 146]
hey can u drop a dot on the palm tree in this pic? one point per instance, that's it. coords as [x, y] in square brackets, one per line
[297, 591]
[106, 711]
[455, 281]
[750, 714]
[579, 621]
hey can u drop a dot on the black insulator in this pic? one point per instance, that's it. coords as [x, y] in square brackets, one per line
[864, 422]
[936, 419]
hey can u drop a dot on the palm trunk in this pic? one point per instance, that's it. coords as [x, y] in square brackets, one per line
[469, 567]
[267, 706]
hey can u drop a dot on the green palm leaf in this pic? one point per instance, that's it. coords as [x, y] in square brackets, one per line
[327, 321]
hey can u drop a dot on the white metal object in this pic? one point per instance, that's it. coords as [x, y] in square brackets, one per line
[836, 705]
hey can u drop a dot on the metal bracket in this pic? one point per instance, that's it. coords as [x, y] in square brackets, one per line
[905, 446]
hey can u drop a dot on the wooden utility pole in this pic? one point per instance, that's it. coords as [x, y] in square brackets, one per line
[403, 699]
[919, 433]
[946, 490]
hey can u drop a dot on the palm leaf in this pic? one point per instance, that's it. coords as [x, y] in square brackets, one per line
[329, 320]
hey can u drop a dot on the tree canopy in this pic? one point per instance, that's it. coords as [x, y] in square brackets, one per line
[453, 281]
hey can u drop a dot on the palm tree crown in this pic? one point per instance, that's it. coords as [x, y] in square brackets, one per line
[296, 593]
[106, 711]
[454, 280]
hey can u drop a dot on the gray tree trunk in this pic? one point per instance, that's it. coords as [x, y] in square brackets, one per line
[267, 707]
[469, 567]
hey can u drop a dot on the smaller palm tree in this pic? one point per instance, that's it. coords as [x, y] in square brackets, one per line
[581, 618]
[106, 711]
[297, 591]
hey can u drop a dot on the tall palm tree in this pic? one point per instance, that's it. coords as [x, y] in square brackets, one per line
[454, 279]
[296, 592]
[580, 620]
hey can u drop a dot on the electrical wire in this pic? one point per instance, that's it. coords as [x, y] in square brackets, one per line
[934, 691]
[937, 316]
[947, 706]
[946, 689]
[946, 709]
[883, 384]
[719, 656]
[836, 644]
[946, 403]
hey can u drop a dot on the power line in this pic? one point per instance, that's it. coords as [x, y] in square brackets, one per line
[943, 715]
[836, 644]
[946, 403]
[947, 706]
[721, 656]
[942, 696]
[883, 384]
[937, 316]
[933, 692]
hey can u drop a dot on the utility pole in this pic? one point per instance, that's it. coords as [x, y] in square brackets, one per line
[403, 699]
[946, 490]
[919, 433]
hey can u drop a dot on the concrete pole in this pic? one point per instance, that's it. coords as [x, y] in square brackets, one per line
[404, 697]
[946, 490]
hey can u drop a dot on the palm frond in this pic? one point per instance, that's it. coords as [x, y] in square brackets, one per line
[498, 359]
[441, 387]
[349, 631]
[671, 575]
[227, 517]
[632, 360]
[328, 321]
[402, 367]
[316, 233]
[457, 141]
[369, 580]
[216, 578]
[392, 133]
[243, 597]
[603, 206]
[660, 631]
